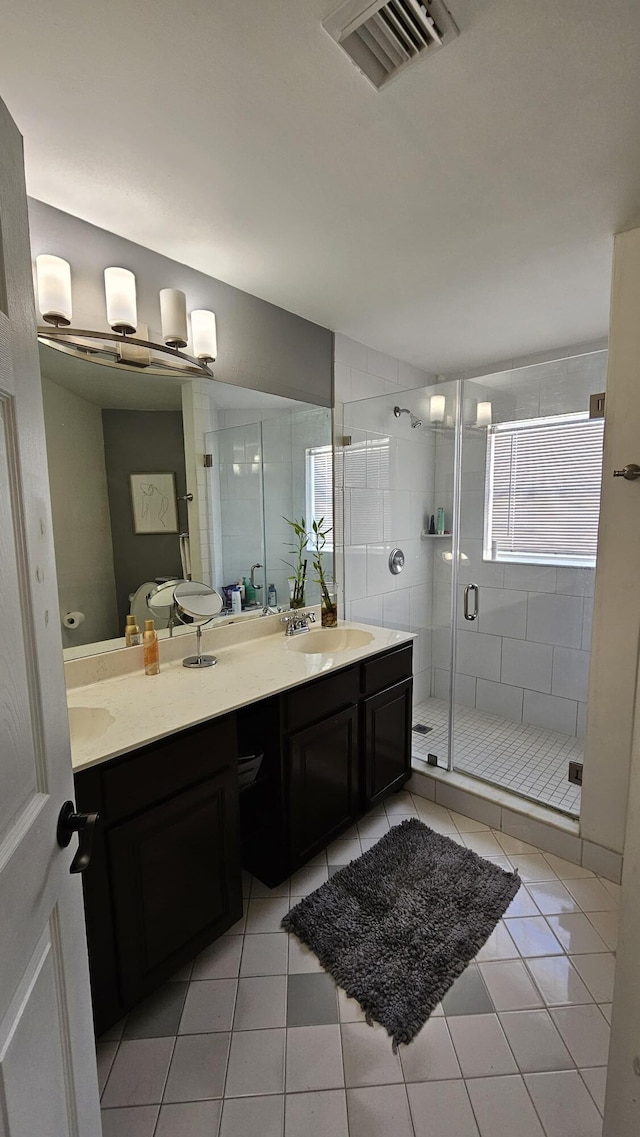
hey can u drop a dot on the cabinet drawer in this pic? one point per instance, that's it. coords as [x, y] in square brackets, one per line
[158, 771]
[315, 701]
[385, 670]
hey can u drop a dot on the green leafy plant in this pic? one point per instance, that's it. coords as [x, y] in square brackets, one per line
[318, 538]
[299, 563]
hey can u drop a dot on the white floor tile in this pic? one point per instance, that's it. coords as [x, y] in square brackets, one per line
[321, 1114]
[596, 1083]
[266, 915]
[256, 1063]
[606, 925]
[136, 1121]
[467, 824]
[585, 1032]
[261, 1002]
[260, 891]
[598, 972]
[558, 981]
[314, 1059]
[535, 1042]
[219, 961]
[139, 1072]
[522, 904]
[552, 898]
[378, 1111]
[564, 1104]
[373, 828]
[265, 954]
[441, 1109]
[576, 933]
[191, 1119]
[307, 880]
[533, 936]
[105, 1054]
[592, 896]
[513, 844]
[430, 1056]
[349, 1010]
[342, 852]
[510, 986]
[401, 803]
[246, 1117]
[498, 946]
[208, 1006]
[481, 1046]
[368, 1057]
[484, 844]
[302, 960]
[566, 870]
[503, 1108]
[198, 1067]
[532, 867]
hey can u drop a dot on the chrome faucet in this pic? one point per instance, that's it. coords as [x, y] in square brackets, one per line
[298, 622]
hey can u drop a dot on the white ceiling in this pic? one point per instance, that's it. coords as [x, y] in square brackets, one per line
[462, 215]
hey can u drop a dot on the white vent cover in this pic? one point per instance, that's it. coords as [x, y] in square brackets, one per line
[384, 37]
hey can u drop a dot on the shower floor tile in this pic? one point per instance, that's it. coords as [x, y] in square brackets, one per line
[522, 758]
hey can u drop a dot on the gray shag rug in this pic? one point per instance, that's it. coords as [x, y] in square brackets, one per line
[397, 926]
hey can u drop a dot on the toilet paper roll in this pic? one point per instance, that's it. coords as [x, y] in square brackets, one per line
[73, 619]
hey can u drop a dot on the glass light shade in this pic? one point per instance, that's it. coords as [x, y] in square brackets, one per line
[54, 289]
[120, 294]
[436, 408]
[173, 317]
[483, 414]
[203, 334]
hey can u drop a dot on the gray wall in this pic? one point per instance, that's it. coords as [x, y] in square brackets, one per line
[137, 442]
[80, 512]
[260, 345]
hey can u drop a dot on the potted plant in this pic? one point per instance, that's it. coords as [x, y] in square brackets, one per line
[328, 601]
[299, 563]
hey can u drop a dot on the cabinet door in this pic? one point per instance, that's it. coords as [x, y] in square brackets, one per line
[175, 875]
[323, 783]
[387, 741]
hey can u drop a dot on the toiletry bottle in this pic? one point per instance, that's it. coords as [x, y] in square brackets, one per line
[440, 522]
[432, 525]
[272, 596]
[249, 591]
[236, 600]
[240, 585]
[151, 650]
[132, 633]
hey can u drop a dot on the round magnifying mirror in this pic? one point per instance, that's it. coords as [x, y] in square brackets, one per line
[160, 599]
[197, 603]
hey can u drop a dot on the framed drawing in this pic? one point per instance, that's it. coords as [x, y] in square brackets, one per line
[153, 501]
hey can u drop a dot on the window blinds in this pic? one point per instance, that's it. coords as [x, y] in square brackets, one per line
[320, 488]
[543, 490]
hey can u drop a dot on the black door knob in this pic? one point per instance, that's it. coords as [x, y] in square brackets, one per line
[84, 824]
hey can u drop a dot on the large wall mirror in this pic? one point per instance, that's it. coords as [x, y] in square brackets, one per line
[136, 503]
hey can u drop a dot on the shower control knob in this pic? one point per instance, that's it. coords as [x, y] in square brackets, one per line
[631, 471]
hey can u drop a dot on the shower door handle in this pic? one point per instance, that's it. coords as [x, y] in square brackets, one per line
[468, 589]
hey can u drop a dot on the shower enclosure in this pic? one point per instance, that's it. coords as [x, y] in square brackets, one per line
[501, 601]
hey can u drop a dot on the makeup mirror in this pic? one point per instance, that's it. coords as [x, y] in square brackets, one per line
[197, 603]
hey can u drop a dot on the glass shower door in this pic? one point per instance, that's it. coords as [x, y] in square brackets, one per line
[528, 488]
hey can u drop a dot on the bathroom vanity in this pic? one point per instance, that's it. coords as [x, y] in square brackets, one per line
[165, 874]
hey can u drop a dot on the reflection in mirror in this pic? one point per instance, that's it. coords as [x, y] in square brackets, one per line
[197, 603]
[135, 509]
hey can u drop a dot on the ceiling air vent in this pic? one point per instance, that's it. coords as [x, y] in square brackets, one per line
[385, 37]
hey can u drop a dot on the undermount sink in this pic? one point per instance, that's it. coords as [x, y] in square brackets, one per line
[327, 641]
[87, 723]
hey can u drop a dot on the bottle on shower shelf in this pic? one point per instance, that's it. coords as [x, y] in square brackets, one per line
[440, 521]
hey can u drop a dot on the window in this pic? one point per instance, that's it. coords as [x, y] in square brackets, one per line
[319, 488]
[542, 490]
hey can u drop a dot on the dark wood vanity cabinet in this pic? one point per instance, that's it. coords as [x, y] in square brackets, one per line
[164, 879]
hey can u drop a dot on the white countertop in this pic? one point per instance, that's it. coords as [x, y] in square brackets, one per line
[133, 709]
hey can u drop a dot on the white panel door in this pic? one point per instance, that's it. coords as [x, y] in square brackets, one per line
[48, 1083]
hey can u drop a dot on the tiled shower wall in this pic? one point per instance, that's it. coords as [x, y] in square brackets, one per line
[527, 656]
[384, 484]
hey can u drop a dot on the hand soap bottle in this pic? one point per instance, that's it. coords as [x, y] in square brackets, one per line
[151, 650]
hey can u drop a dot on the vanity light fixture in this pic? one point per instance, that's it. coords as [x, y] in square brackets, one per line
[437, 405]
[53, 275]
[483, 414]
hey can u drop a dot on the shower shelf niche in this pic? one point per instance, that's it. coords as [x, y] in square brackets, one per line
[434, 536]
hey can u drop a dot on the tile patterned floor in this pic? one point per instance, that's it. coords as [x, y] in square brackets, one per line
[255, 1040]
[524, 759]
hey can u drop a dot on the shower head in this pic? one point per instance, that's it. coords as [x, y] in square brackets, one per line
[405, 411]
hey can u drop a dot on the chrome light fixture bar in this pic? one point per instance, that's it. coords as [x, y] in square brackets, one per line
[121, 345]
